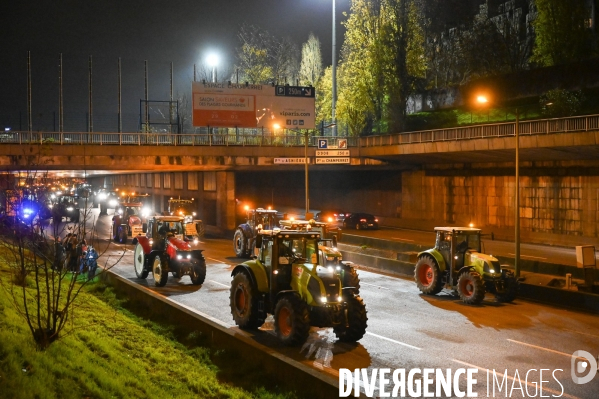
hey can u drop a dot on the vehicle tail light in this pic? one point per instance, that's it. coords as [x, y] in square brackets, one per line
[362, 220]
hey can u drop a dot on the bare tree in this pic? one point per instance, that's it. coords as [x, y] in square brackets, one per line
[42, 285]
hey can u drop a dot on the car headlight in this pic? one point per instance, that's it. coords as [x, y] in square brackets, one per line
[193, 213]
[70, 208]
[112, 203]
[195, 240]
[101, 196]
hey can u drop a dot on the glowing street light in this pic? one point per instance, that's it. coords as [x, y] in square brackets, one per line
[212, 60]
[481, 99]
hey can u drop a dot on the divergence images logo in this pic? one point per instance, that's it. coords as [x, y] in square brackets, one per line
[583, 362]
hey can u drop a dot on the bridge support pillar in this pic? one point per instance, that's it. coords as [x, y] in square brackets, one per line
[225, 200]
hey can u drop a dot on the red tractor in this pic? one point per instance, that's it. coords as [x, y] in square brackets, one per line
[130, 220]
[165, 249]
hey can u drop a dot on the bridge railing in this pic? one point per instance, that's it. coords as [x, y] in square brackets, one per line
[542, 126]
[97, 138]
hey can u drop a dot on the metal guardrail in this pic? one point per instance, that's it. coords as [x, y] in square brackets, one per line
[533, 127]
[80, 138]
[539, 126]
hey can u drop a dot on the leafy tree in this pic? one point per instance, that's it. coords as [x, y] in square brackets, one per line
[559, 103]
[561, 34]
[382, 59]
[324, 93]
[311, 64]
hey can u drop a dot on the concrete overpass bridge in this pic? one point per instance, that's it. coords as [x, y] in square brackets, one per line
[415, 179]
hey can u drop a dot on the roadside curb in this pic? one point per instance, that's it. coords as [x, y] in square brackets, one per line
[295, 375]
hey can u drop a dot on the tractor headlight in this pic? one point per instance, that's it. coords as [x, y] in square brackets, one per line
[195, 240]
[330, 268]
[339, 298]
[189, 256]
[145, 212]
[338, 268]
[193, 213]
[112, 203]
[488, 268]
[179, 257]
[323, 299]
[70, 208]
[102, 196]
[151, 241]
[120, 211]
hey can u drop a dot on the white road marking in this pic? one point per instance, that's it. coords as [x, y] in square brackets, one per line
[372, 285]
[402, 239]
[217, 260]
[541, 348]
[529, 256]
[394, 341]
[216, 282]
[557, 393]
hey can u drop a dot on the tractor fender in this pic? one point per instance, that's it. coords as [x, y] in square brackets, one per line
[467, 268]
[145, 243]
[256, 272]
[197, 253]
[437, 256]
[281, 294]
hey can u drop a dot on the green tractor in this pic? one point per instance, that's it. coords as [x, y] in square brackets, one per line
[286, 280]
[456, 262]
[328, 253]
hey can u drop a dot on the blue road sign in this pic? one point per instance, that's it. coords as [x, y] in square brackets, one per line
[323, 143]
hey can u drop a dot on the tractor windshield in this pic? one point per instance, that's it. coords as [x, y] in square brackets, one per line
[300, 248]
[170, 227]
[467, 241]
[266, 220]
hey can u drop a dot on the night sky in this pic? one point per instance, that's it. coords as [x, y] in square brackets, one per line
[178, 31]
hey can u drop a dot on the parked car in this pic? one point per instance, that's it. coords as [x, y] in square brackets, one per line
[331, 216]
[361, 221]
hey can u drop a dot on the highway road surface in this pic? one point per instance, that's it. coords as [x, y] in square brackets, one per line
[517, 344]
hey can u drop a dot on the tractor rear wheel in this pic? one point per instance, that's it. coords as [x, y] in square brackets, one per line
[471, 288]
[292, 320]
[510, 289]
[353, 325]
[240, 244]
[428, 276]
[243, 299]
[139, 258]
[198, 273]
[160, 271]
[122, 235]
[350, 278]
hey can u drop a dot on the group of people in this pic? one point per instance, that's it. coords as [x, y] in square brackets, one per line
[77, 255]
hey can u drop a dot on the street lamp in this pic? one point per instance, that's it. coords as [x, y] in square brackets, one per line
[212, 60]
[334, 73]
[483, 100]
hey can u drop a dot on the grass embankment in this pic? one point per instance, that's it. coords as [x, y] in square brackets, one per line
[110, 352]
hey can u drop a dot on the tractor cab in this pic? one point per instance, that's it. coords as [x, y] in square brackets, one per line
[262, 218]
[457, 241]
[182, 207]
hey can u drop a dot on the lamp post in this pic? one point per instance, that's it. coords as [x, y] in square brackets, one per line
[334, 74]
[308, 215]
[484, 100]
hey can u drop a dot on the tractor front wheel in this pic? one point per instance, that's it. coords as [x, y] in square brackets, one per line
[428, 276]
[353, 325]
[160, 271]
[510, 289]
[471, 288]
[240, 244]
[139, 258]
[243, 299]
[198, 273]
[292, 320]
